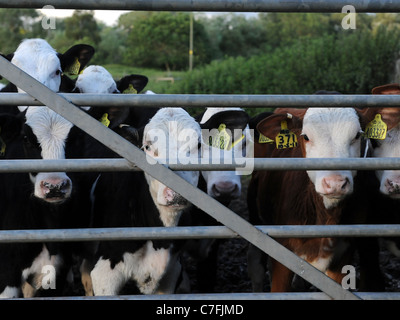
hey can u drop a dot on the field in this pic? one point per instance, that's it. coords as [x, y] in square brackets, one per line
[158, 79]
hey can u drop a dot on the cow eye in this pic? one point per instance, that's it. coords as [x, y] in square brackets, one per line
[58, 72]
[146, 147]
[358, 135]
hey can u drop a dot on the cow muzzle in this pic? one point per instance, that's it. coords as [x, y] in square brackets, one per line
[173, 199]
[53, 188]
[391, 187]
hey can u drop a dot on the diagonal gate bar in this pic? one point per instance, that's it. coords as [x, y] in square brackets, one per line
[200, 199]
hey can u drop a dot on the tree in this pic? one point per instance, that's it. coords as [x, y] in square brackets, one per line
[161, 40]
[15, 25]
[82, 25]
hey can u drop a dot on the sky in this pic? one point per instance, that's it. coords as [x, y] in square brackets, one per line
[109, 17]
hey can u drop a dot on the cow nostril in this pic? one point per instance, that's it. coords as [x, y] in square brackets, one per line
[345, 183]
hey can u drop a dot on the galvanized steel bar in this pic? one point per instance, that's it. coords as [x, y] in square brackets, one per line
[229, 296]
[172, 180]
[212, 5]
[216, 232]
[211, 100]
[273, 164]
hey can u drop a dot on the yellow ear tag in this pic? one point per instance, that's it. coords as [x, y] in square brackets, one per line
[285, 139]
[130, 90]
[376, 129]
[104, 120]
[221, 140]
[73, 69]
[264, 139]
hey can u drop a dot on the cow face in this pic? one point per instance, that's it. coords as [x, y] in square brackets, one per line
[389, 147]
[37, 58]
[45, 132]
[223, 185]
[323, 133]
[171, 134]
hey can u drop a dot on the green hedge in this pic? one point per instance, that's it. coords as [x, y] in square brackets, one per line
[352, 62]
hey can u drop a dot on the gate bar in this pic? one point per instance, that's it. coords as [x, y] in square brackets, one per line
[271, 164]
[217, 232]
[172, 180]
[215, 5]
[211, 100]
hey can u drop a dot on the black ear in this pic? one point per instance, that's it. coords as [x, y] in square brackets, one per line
[111, 117]
[130, 134]
[68, 85]
[137, 81]
[8, 57]
[233, 119]
[76, 58]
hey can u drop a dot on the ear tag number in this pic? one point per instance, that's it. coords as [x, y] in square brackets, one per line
[264, 139]
[221, 140]
[74, 68]
[376, 129]
[130, 90]
[285, 139]
[104, 120]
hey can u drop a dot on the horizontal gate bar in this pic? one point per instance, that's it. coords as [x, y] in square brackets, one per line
[217, 232]
[208, 5]
[210, 100]
[231, 296]
[107, 165]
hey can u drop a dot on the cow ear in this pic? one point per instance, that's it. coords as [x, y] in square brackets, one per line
[74, 60]
[111, 117]
[68, 85]
[129, 133]
[271, 126]
[132, 83]
[391, 116]
[233, 119]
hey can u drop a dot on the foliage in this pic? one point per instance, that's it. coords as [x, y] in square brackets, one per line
[161, 40]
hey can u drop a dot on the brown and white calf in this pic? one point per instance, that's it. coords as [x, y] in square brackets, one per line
[306, 197]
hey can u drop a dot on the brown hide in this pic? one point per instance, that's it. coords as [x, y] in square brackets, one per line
[289, 198]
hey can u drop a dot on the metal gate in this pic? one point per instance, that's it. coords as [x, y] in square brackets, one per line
[135, 159]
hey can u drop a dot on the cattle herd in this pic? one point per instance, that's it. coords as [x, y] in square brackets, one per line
[60, 200]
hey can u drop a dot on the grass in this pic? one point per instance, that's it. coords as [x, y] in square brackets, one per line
[118, 71]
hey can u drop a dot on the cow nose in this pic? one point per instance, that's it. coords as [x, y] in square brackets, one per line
[335, 185]
[392, 187]
[225, 189]
[55, 188]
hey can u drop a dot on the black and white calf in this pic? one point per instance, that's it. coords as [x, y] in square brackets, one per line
[41, 200]
[135, 199]
[224, 186]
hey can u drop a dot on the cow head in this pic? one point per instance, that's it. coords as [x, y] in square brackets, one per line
[171, 134]
[389, 147]
[223, 185]
[322, 133]
[45, 132]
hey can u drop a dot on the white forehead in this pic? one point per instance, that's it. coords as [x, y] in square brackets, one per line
[36, 57]
[96, 79]
[212, 111]
[338, 120]
[50, 129]
[174, 123]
